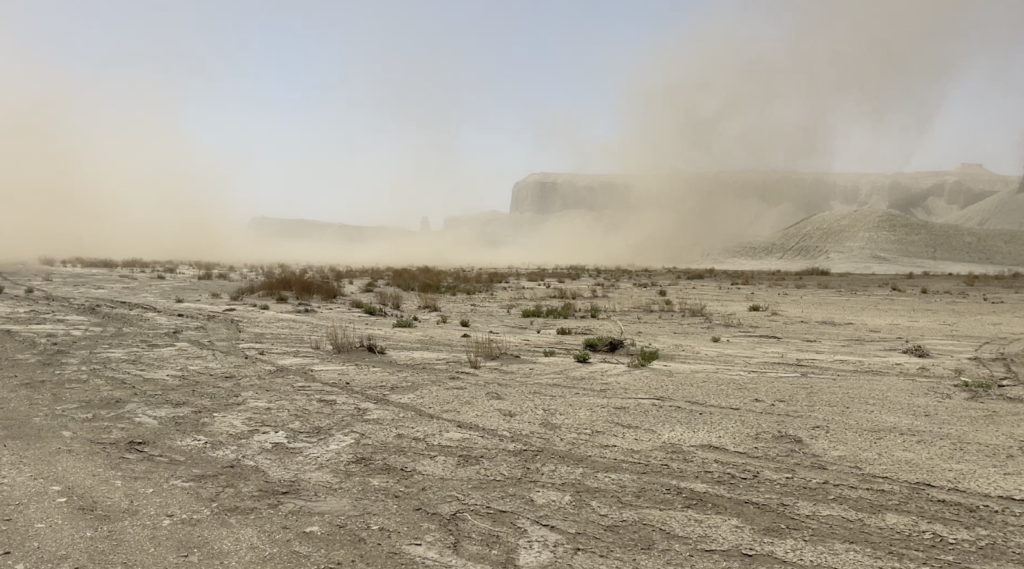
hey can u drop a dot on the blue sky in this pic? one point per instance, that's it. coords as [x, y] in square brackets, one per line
[382, 111]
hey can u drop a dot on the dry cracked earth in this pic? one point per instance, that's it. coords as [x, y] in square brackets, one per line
[138, 431]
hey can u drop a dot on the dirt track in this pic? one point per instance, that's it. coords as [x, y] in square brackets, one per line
[142, 432]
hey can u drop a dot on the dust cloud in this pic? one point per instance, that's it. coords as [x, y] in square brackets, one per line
[755, 87]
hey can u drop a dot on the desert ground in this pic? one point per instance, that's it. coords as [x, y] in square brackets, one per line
[149, 420]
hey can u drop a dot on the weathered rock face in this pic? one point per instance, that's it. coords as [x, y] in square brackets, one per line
[925, 195]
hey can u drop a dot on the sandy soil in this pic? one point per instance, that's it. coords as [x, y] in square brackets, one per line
[142, 432]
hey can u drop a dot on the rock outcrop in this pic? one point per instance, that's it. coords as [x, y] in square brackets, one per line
[784, 195]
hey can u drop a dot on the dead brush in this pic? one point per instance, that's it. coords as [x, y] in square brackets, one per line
[564, 293]
[342, 338]
[391, 298]
[485, 347]
[430, 302]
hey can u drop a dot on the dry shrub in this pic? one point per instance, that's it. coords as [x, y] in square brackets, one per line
[391, 298]
[430, 302]
[342, 338]
[485, 347]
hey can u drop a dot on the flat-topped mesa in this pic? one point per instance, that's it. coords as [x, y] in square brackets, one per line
[546, 192]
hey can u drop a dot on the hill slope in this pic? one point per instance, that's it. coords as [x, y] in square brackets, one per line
[1004, 210]
[856, 240]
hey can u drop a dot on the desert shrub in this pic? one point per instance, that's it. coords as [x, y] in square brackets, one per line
[316, 343]
[644, 358]
[595, 310]
[222, 276]
[814, 272]
[976, 384]
[374, 310]
[971, 280]
[357, 304]
[372, 344]
[566, 310]
[341, 338]
[916, 350]
[535, 312]
[564, 293]
[662, 292]
[403, 323]
[548, 353]
[924, 290]
[179, 299]
[205, 276]
[369, 286]
[30, 289]
[238, 294]
[716, 339]
[161, 277]
[443, 319]
[464, 322]
[581, 356]
[391, 298]
[486, 347]
[1, 289]
[475, 362]
[694, 307]
[215, 294]
[563, 331]
[895, 287]
[603, 344]
[758, 307]
[280, 297]
[429, 302]
[264, 306]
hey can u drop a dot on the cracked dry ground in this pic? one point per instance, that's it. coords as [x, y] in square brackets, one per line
[141, 432]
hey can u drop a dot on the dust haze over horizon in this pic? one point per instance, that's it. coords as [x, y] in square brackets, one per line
[157, 130]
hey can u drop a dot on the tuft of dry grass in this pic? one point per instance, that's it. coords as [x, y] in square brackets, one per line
[390, 298]
[485, 347]
[429, 301]
[342, 338]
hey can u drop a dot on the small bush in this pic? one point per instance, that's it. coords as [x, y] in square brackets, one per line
[644, 358]
[916, 350]
[443, 319]
[603, 344]
[464, 322]
[430, 302]
[371, 344]
[895, 287]
[716, 339]
[535, 312]
[977, 384]
[595, 310]
[205, 276]
[178, 300]
[357, 304]
[814, 272]
[581, 356]
[237, 294]
[390, 298]
[215, 294]
[694, 307]
[403, 323]
[341, 338]
[264, 306]
[374, 310]
[161, 277]
[662, 292]
[757, 307]
[486, 347]
[30, 289]
[924, 290]
[562, 331]
[1, 289]
[549, 353]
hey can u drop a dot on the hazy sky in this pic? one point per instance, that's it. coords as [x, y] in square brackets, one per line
[382, 111]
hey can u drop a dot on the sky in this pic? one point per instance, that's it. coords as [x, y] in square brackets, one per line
[380, 112]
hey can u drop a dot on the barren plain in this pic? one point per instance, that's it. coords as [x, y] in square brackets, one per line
[148, 420]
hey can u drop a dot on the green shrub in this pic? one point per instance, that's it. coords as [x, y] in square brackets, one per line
[581, 356]
[595, 310]
[757, 307]
[716, 339]
[977, 384]
[264, 306]
[29, 290]
[443, 319]
[562, 331]
[464, 322]
[374, 310]
[645, 357]
[372, 345]
[1, 289]
[161, 277]
[535, 312]
[549, 353]
[404, 323]
[178, 300]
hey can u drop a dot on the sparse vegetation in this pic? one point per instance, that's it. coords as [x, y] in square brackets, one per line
[976, 384]
[581, 356]
[443, 319]
[757, 307]
[205, 276]
[464, 322]
[485, 347]
[595, 311]
[215, 294]
[372, 344]
[1, 289]
[374, 310]
[264, 306]
[548, 353]
[430, 302]
[341, 338]
[644, 358]
[716, 339]
[403, 323]
[694, 307]
[566, 310]
[916, 350]
[813, 272]
[603, 344]
[179, 299]
[161, 277]
[390, 298]
[30, 289]
[563, 331]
